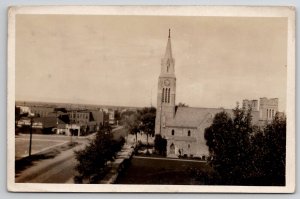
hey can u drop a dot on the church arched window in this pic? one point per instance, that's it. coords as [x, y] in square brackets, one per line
[163, 95]
[168, 95]
[272, 113]
[189, 133]
[173, 132]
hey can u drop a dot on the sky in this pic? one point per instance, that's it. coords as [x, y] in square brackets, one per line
[115, 60]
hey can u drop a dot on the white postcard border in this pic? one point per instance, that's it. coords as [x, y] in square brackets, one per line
[232, 11]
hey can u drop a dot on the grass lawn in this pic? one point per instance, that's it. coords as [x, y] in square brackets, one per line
[22, 146]
[162, 171]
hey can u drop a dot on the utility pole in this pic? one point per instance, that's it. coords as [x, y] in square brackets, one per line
[30, 139]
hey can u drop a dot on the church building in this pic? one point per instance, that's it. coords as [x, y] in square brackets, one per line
[184, 127]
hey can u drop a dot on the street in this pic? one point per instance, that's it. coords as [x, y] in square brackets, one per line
[59, 169]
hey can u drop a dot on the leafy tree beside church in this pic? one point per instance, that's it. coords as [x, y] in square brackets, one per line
[242, 154]
[269, 153]
[141, 121]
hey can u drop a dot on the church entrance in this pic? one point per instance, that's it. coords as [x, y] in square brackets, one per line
[172, 149]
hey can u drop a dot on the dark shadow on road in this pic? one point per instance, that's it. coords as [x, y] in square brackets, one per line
[26, 162]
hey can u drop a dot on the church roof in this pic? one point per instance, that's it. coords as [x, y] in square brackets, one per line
[190, 117]
[194, 117]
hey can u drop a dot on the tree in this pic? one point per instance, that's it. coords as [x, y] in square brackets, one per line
[93, 158]
[17, 113]
[141, 121]
[132, 123]
[160, 145]
[243, 154]
[180, 104]
[125, 114]
[17, 118]
[117, 116]
[148, 121]
[269, 153]
[229, 141]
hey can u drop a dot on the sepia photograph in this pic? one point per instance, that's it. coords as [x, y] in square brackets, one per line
[151, 99]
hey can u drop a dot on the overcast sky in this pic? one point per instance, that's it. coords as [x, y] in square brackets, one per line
[115, 60]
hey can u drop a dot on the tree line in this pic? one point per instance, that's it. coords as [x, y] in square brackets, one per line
[244, 154]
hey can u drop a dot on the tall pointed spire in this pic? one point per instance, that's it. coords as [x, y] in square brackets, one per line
[168, 53]
[167, 62]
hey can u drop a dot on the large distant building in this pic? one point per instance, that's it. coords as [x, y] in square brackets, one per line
[184, 127]
[41, 111]
[89, 120]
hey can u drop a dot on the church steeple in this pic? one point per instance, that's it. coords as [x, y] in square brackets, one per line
[168, 53]
[167, 62]
[166, 91]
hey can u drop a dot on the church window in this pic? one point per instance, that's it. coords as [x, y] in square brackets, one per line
[272, 113]
[166, 95]
[163, 95]
[267, 113]
[189, 146]
[173, 132]
[169, 95]
[189, 133]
